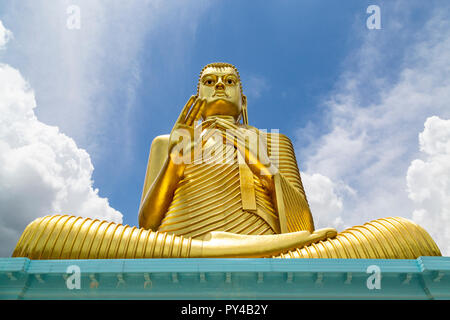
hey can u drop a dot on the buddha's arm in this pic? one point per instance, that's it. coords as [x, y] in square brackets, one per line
[278, 171]
[162, 177]
[290, 197]
[166, 165]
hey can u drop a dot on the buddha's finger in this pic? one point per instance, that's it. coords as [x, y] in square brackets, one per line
[196, 114]
[200, 110]
[186, 108]
[193, 112]
[182, 116]
[323, 234]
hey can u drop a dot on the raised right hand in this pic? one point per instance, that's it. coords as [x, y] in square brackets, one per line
[184, 127]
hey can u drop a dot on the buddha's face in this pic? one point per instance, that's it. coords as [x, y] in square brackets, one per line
[221, 88]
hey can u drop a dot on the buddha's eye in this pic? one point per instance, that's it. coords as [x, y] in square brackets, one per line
[229, 81]
[209, 82]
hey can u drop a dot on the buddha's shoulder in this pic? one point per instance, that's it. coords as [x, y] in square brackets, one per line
[161, 141]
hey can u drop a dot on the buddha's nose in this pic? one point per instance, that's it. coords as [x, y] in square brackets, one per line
[220, 85]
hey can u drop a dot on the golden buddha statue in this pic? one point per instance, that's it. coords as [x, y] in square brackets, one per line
[217, 187]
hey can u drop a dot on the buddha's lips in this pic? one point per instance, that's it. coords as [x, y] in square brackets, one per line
[220, 94]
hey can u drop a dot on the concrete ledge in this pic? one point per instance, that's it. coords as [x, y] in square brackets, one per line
[423, 278]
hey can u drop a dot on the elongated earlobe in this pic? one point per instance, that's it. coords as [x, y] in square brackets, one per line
[244, 111]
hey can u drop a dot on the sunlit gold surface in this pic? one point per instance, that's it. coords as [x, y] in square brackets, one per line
[67, 237]
[248, 203]
[388, 238]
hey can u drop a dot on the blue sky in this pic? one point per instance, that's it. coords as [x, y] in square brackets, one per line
[311, 69]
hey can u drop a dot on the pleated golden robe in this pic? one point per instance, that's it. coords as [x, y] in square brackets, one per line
[218, 192]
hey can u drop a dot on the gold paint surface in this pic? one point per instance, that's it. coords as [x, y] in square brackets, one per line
[386, 238]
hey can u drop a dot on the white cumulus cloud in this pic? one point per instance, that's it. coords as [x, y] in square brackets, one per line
[5, 35]
[371, 121]
[323, 200]
[429, 181]
[42, 171]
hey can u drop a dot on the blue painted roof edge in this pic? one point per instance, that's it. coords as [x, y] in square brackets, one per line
[421, 264]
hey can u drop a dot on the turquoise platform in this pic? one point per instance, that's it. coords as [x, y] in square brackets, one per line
[423, 278]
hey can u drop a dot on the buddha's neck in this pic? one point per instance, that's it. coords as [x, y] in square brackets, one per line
[223, 117]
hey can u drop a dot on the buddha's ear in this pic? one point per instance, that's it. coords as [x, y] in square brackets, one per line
[244, 100]
[244, 110]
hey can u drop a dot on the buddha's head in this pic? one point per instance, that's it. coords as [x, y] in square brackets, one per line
[221, 86]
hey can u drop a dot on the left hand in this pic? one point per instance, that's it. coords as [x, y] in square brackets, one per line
[253, 149]
[218, 244]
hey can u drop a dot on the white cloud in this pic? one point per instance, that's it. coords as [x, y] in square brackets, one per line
[429, 181]
[5, 35]
[374, 114]
[323, 200]
[42, 171]
[435, 139]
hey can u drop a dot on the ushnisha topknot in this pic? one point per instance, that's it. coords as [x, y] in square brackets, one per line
[219, 65]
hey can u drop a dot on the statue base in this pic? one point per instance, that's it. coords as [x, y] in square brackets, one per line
[206, 279]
